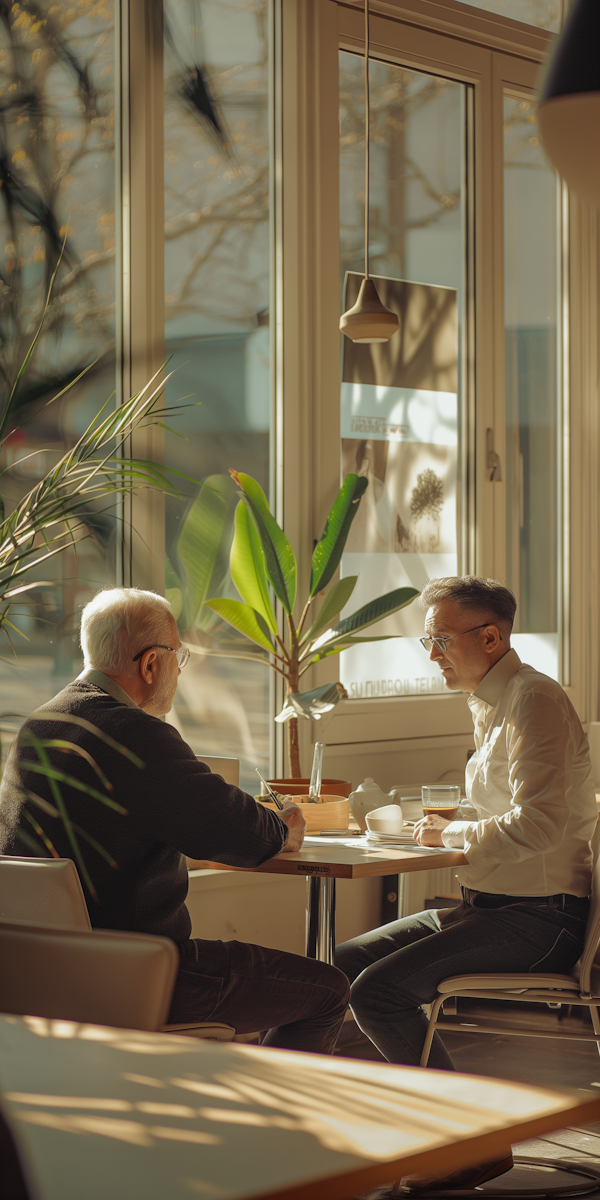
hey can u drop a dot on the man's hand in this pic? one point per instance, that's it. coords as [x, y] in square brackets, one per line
[294, 819]
[428, 831]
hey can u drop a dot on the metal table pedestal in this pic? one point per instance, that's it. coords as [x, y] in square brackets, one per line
[320, 918]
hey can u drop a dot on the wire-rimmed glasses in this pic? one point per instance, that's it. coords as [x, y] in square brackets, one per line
[183, 655]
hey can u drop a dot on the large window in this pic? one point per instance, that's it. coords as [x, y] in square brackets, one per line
[533, 410]
[262, 114]
[543, 13]
[217, 312]
[57, 190]
[402, 403]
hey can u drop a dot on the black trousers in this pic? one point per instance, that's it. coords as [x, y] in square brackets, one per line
[298, 1003]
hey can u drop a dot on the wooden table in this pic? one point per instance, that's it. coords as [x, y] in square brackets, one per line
[323, 860]
[99, 1113]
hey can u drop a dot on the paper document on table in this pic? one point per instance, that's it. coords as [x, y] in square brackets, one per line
[323, 840]
[412, 849]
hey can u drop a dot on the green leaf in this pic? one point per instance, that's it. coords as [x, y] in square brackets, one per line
[329, 548]
[247, 563]
[203, 544]
[50, 772]
[280, 561]
[374, 611]
[244, 619]
[335, 600]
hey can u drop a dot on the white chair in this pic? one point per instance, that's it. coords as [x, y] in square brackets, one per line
[581, 988]
[97, 977]
[46, 893]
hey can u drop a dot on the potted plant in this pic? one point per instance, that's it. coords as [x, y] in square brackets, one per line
[263, 562]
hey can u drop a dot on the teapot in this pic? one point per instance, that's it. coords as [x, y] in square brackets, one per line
[368, 796]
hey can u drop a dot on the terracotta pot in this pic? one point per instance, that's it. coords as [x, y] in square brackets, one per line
[333, 813]
[299, 787]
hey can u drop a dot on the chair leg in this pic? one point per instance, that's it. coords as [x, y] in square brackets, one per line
[435, 1008]
[595, 1024]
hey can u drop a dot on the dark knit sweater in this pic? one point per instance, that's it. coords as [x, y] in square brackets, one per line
[175, 806]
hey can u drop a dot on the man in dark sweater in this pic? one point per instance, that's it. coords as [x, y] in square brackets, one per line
[175, 806]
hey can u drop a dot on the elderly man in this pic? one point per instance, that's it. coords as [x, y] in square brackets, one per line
[175, 807]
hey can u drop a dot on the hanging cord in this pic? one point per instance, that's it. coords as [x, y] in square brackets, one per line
[367, 138]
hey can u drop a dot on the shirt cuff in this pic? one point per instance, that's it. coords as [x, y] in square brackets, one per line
[453, 836]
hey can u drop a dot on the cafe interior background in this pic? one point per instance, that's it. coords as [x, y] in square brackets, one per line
[202, 162]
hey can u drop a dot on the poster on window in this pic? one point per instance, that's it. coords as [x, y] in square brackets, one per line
[399, 428]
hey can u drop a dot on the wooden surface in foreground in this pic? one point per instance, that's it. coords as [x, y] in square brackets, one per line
[100, 1112]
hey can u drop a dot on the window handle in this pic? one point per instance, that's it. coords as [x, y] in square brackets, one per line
[493, 460]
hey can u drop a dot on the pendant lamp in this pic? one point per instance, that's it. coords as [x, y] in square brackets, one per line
[368, 320]
[569, 103]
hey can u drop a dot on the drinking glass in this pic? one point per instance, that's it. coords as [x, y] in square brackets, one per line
[440, 800]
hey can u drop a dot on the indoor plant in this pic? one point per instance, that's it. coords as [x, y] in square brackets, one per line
[262, 559]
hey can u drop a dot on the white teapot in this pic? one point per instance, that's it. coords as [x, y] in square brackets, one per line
[368, 796]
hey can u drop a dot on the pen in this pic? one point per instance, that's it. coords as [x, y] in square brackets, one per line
[274, 798]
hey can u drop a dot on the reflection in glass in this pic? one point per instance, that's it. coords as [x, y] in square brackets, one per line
[400, 406]
[531, 310]
[57, 185]
[217, 274]
[545, 14]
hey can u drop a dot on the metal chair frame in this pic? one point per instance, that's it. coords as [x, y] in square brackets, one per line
[581, 988]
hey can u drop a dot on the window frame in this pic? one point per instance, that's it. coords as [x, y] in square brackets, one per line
[486, 52]
[492, 54]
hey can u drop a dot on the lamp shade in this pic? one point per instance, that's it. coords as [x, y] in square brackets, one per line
[369, 320]
[569, 103]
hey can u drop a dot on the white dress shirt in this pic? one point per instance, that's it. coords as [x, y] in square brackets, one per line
[531, 783]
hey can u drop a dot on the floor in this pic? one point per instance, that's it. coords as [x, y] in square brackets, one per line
[546, 1063]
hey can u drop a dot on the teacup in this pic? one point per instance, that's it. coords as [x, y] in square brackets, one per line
[388, 819]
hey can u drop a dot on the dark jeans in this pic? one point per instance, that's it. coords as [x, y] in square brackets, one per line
[396, 969]
[300, 1003]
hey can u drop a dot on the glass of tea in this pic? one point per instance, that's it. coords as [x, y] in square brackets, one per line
[440, 800]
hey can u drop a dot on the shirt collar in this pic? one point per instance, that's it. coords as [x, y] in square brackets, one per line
[114, 689]
[493, 684]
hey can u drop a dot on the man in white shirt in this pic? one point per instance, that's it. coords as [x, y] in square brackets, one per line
[527, 879]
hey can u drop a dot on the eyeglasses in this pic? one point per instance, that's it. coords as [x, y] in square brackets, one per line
[183, 656]
[440, 643]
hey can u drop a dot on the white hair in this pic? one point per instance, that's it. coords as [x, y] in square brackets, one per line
[118, 623]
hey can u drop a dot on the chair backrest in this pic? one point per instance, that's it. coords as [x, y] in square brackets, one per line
[42, 891]
[98, 978]
[592, 935]
[229, 768]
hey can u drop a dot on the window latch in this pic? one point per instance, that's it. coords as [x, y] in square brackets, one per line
[493, 460]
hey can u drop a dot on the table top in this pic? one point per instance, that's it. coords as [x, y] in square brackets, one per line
[352, 858]
[142, 1116]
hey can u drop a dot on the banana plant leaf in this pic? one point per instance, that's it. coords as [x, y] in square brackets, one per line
[280, 560]
[330, 547]
[337, 647]
[369, 614]
[247, 563]
[203, 545]
[335, 600]
[244, 619]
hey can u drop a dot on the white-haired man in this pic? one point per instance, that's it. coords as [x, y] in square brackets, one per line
[174, 807]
